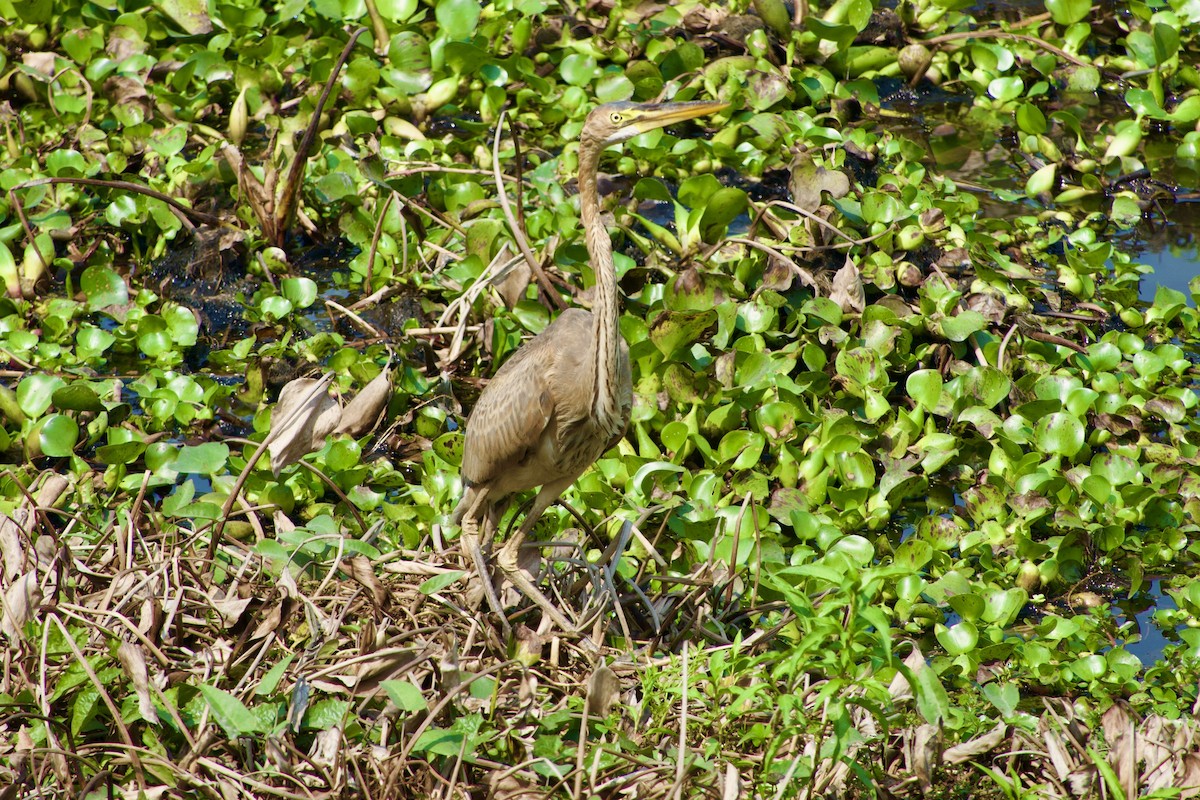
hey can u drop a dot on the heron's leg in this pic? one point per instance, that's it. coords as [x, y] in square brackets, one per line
[471, 543]
[507, 558]
[491, 525]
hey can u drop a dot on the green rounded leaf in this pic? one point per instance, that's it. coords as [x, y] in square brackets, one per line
[858, 548]
[1042, 181]
[229, 712]
[578, 69]
[1060, 434]
[449, 447]
[1097, 488]
[439, 582]
[1089, 668]
[410, 72]
[153, 337]
[302, 292]
[202, 459]
[987, 384]
[1004, 696]
[275, 307]
[405, 694]
[57, 435]
[1006, 88]
[396, 10]
[77, 397]
[958, 639]
[969, 606]
[123, 453]
[1068, 12]
[925, 387]
[1003, 605]
[35, 393]
[722, 208]
[962, 325]
[103, 288]
[457, 18]
[343, 454]
[1030, 119]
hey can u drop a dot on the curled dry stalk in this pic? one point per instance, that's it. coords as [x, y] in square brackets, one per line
[517, 229]
[277, 213]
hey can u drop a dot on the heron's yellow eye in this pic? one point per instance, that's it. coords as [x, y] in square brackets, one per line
[615, 117]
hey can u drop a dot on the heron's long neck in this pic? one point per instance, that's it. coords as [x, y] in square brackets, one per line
[605, 310]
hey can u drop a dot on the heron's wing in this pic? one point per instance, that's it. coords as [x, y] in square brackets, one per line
[517, 406]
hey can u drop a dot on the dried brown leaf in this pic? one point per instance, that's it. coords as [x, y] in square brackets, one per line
[808, 181]
[285, 584]
[529, 644]
[973, 748]
[1154, 750]
[41, 62]
[1117, 724]
[704, 19]
[11, 549]
[150, 616]
[261, 198]
[24, 746]
[899, 688]
[847, 290]
[303, 417]
[327, 748]
[46, 548]
[990, 304]
[778, 275]
[603, 691]
[731, 785]
[270, 621]
[133, 661]
[363, 413]
[52, 489]
[1188, 775]
[231, 607]
[21, 602]
[926, 744]
[1081, 780]
[283, 523]
[279, 756]
[149, 793]
[506, 785]
[1060, 758]
[513, 283]
[362, 571]
[404, 566]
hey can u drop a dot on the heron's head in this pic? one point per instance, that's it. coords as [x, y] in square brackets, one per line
[616, 122]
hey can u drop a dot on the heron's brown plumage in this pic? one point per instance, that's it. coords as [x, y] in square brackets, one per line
[534, 423]
[565, 397]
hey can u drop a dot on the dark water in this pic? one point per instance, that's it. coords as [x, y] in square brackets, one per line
[1174, 269]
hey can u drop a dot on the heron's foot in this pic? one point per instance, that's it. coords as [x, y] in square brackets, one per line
[508, 561]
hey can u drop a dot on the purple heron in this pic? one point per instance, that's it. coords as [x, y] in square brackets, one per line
[564, 398]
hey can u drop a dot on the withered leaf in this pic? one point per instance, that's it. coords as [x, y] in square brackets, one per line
[362, 414]
[847, 290]
[303, 417]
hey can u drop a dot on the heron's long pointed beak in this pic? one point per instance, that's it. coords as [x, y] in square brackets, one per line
[657, 116]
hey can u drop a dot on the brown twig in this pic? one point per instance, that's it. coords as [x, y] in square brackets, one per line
[995, 34]
[1049, 338]
[289, 199]
[518, 232]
